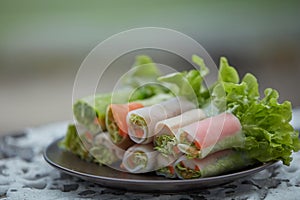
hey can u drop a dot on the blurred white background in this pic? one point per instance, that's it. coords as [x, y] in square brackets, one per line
[42, 44]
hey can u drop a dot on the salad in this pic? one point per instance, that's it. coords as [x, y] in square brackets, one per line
[178, 127]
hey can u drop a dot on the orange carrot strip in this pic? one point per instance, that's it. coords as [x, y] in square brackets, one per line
[171, 169]
[120, 112]
[197, 144]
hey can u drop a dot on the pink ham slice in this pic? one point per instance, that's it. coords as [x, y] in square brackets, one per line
[216, 133]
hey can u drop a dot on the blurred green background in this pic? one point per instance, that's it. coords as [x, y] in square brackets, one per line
[42, 44]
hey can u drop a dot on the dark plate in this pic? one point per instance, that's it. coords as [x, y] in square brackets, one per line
[108, 177]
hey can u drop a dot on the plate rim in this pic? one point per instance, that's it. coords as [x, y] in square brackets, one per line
[230, 176]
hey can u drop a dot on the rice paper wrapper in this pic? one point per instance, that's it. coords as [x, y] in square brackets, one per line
[140, 158]
[104, 151]
[153, 114]
[215, 164]
[213, 134]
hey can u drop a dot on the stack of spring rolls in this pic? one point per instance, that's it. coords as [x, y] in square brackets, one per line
[164, 130]
[168, 135]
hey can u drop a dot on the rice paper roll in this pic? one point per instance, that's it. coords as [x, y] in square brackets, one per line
[215, 164]
[164, 140]
[142, 122]
[86, 136]
[140, 158]
[74, 143]
[165, 165]
[90, 111]
[116, 118]
[104, 151]
[210, 135]
[116, 123]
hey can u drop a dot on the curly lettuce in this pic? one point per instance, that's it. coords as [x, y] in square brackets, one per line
[73, 143]
[190, 83]
[265, 121]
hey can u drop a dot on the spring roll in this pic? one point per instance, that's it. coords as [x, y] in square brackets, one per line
[165, 165]
[210, 135]
[90, 111]
[215, 164]
[164, 140]
[116, 123]
[141, 122]
[86, 136]
[104, 151]
[116, 118]
[140, 158]
[74, 143]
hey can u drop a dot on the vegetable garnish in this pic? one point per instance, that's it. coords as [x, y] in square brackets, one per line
[73, 143]
[165, 165]
[190, 83]
[187, 173]
[166, 144]
[168, 172]
[265, 122]
[139, 126]
[139, 159]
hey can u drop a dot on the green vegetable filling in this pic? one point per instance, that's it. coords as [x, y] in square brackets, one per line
[139, 125]
[191, 150]
[166, 144]
[140, 159]
[113, 128]
[73, 143]
[167, 171]
[187, 173]
[137, 120]
[103, 155]
[86, 115]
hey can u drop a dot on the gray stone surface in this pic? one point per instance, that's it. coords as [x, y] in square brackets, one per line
[25, 175]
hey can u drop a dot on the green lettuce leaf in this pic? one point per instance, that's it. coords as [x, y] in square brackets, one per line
[190, 83]
[227, 73]
[269, 134]
[265, 122]
[73, 143]
[142, 79]
[143, 70]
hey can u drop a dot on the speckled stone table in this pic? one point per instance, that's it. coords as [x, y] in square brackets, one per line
[24, 174]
